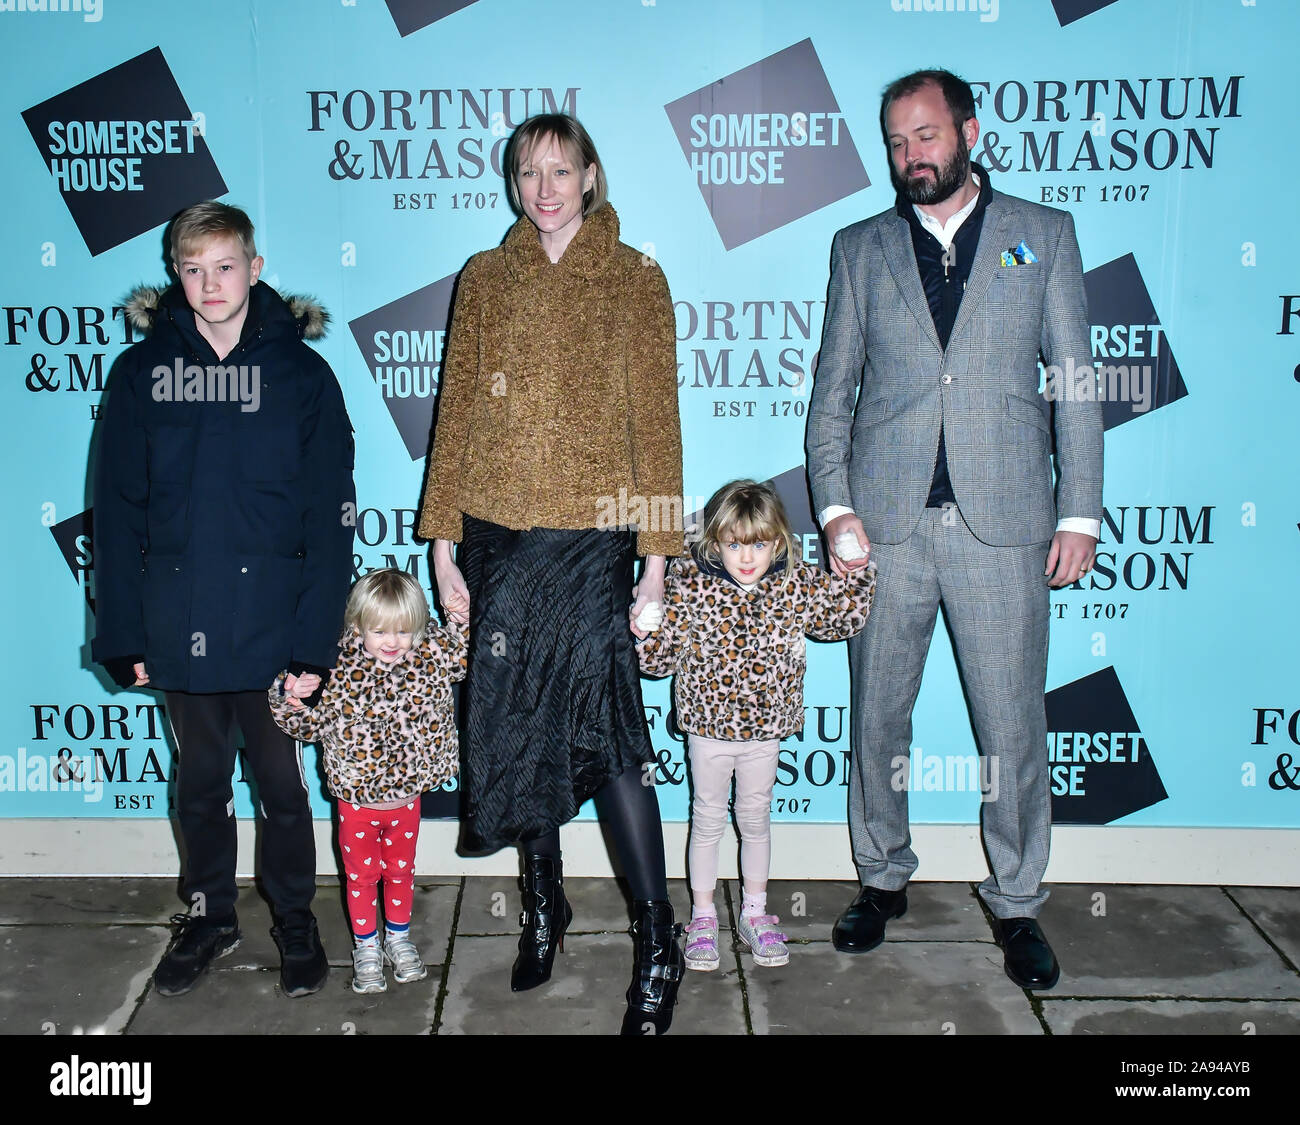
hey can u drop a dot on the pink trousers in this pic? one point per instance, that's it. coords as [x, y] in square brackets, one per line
[713, 762]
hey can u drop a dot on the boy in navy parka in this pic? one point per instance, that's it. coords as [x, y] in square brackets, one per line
[223, 519]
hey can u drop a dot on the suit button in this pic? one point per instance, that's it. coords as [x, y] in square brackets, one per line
[946, 380]
[243, 570]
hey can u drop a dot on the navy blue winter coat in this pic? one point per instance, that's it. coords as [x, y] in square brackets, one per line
[222, 534]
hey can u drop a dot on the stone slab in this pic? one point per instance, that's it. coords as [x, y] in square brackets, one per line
[233, 1001]
[1276, 910]
[1160, 941]
[899, 988]
[585, 995]
[75, 979]
[1171, 1017]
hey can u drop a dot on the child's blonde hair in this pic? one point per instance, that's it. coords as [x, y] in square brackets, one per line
[387, 598]
[745, 511]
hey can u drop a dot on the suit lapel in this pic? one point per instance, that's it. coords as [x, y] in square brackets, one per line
[988, 256]
[896, 241]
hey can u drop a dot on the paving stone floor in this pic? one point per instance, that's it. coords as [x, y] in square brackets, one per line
[77, 955]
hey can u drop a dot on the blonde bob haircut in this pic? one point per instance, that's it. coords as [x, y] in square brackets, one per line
[578, 147]
[387, 599]
[745, 511]
[195, 225]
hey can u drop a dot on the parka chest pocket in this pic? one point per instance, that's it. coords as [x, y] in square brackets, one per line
[268, 450]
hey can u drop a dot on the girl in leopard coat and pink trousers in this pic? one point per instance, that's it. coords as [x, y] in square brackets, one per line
[735, 614]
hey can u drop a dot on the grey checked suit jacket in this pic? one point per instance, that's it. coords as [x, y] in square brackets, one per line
[883, 385]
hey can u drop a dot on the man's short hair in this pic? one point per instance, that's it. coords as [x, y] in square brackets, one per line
[956, 93]
[204, 220]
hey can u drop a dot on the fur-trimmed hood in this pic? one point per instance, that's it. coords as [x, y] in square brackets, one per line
[144, 303]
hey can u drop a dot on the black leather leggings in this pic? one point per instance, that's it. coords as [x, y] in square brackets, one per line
[630, 811]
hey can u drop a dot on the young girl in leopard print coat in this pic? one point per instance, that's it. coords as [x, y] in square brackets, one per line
[734, 618]
[387, 733]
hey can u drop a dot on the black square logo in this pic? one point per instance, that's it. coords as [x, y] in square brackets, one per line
[1135, 364]
[1099, 763]
[124, 151]
[403, 344]
[767, 145]
[74, 537]
[411, 15]
[1067, 11]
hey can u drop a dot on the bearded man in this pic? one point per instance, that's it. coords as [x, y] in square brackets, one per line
[930, 449]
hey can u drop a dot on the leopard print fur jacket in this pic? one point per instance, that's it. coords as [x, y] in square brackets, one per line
[739, 657]
[386, 732]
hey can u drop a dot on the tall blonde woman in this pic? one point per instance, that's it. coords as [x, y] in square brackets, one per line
[559, 390]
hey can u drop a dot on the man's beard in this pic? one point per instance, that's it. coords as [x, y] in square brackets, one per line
[947, 180]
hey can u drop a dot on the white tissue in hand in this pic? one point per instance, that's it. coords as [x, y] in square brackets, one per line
[650, 617]
[846, 546]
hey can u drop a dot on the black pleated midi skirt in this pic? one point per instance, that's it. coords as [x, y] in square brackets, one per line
[553, 705]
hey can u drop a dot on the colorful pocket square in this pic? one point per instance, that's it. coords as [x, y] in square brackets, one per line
[1019, 256]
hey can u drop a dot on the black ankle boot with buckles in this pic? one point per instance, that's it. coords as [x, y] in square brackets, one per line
[545, 917]
[657, 972]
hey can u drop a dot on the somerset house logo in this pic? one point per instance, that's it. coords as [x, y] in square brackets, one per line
[768, 144]
[1100, 765]
[411, 15]
[403, 343]
[1136, 369]
[124, 151]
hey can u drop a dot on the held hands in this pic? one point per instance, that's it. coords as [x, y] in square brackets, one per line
[298, 688]
[646, 593]
[1070, 557]
[850, 547]
[649, 619]
[846, 546]
[302, 686]
[453, 594]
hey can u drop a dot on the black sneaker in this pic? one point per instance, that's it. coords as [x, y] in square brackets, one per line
[196, 943]
[303, 968]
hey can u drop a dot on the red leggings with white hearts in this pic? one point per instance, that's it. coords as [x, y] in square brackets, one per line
[378, 845]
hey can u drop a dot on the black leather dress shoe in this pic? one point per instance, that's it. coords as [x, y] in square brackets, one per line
[862, 926]
[1029, 960]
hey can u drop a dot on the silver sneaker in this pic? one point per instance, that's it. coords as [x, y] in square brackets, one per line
[765, 941]
[400, 952]
[368, 969]
[702, 943]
